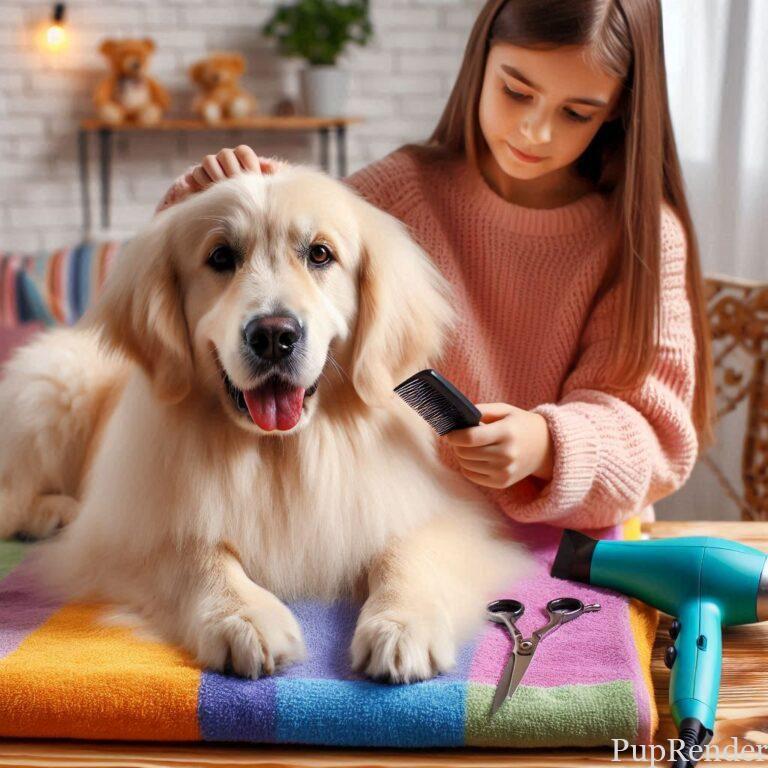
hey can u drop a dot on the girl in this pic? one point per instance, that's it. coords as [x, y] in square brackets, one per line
[550, 195]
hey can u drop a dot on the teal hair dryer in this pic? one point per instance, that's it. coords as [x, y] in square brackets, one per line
[703, 582]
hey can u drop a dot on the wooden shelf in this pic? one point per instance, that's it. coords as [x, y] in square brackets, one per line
[258, 123]
[104, 133]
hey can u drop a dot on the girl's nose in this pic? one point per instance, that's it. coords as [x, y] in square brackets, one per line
[537, 129]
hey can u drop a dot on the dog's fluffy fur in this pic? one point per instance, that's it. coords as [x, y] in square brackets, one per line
[183, 510]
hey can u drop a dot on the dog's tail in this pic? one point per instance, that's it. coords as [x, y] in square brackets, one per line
[53, 394]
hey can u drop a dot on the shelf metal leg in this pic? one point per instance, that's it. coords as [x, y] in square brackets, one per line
[85, 189]
[105, 160]
[324, 154]
[341, 150]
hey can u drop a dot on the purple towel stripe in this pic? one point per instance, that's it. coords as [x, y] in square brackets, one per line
[23, 608]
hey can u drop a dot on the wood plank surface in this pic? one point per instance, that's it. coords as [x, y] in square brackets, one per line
[742, 713]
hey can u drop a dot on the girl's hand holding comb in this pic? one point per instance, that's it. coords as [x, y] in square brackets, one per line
[508, 445]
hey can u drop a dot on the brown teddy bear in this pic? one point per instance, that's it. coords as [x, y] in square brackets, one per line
[129, 94]
[221, 97]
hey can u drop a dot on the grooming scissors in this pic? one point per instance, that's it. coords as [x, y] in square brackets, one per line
[507, 612]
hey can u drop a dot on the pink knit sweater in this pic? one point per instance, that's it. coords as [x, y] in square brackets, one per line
[532, 334]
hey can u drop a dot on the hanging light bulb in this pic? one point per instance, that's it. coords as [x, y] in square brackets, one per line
[56, 34]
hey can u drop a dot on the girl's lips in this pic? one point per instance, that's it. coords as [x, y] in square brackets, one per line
[525, 158]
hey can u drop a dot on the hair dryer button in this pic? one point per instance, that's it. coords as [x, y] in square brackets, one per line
[674, 629]
[670, 655]
[701, 642]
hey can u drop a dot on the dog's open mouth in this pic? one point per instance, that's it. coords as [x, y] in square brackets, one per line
[274, 404]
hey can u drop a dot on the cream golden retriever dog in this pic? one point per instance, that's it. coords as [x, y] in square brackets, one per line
[221, 435]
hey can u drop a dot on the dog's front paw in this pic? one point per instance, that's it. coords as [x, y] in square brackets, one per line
[250, 641]
[403, 646]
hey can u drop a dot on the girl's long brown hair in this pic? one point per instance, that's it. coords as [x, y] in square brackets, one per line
[632, 159]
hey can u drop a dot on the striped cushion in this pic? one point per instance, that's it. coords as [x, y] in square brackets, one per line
[15, 337]
[52, 288]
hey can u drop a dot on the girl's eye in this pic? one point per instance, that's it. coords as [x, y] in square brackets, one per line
[516, 95]
[576, 116]
[320, 255]
[222, 259]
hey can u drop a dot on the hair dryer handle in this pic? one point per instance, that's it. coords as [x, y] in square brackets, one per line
[696, 662]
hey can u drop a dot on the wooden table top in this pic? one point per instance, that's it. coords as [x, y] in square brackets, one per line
[742, 712]
[256, 123]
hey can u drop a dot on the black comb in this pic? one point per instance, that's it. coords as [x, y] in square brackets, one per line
[438, 402]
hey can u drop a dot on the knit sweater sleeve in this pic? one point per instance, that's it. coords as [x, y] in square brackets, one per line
[616, 453]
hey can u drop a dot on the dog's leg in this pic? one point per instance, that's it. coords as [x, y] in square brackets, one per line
[30, 515]
[46, 514]
[428, 593]
[226, 620]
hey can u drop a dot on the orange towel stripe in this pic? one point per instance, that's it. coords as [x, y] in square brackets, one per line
[644, 622]
[98, 680]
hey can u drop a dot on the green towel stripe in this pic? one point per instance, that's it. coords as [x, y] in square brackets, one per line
[11, 554]
[564, 715]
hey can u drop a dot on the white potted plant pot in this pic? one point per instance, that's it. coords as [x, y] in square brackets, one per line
[324, 90]
[289, 69]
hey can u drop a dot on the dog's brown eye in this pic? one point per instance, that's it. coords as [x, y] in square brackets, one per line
[222, 259]
[320, 254]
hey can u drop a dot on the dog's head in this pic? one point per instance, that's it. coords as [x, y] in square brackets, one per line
[261, 290]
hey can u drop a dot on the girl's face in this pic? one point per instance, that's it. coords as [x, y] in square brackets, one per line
[539, 109]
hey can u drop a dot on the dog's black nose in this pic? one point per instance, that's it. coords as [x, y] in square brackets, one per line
[272, 337]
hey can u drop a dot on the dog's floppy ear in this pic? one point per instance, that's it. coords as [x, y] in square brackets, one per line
[404, 309]
[141, 312]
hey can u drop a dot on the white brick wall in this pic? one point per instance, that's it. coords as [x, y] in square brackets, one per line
[399, 84]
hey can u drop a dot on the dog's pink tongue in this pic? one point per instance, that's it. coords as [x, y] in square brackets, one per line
[275, 406]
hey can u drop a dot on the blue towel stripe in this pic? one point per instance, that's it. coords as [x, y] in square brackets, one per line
[351, 713]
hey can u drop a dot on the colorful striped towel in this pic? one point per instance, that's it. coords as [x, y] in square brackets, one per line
[54, 287]
[62, 674]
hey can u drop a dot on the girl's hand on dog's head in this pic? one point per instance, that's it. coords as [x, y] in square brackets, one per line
[223, 165]
[226, 164]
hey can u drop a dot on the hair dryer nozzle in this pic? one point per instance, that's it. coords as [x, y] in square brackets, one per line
[574, 557]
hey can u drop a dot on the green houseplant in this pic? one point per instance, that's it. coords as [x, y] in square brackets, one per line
[318, 31]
